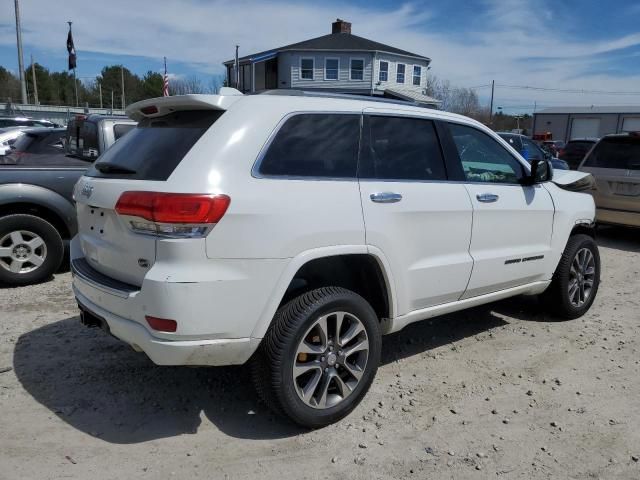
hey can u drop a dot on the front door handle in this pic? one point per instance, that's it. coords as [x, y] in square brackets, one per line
[487, 197]
[385, 197]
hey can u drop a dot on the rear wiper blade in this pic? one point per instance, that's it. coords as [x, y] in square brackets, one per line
[112, 168]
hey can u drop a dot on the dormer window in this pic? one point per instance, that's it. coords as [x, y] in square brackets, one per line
[383, 74]
[417, 74]
[400, 72]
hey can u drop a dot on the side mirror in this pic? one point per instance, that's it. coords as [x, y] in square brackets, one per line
[541, 171]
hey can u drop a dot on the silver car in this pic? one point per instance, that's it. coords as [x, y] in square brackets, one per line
[615, 164]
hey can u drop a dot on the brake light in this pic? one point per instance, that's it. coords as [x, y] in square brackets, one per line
[161, 324]
[150, 110]
[173, 214]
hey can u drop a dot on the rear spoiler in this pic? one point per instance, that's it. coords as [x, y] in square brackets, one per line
[157, 107]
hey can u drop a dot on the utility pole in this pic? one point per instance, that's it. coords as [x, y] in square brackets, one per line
[122, 80]
[23, 82]
[100, 90]
[493, 86]
[35, 84]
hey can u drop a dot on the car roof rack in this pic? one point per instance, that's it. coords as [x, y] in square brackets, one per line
[344, 96]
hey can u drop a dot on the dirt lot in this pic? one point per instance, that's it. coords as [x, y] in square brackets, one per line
[498, 391]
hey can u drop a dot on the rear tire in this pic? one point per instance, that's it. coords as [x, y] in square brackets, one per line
[319, 356]
[31, 249]
[576, 280]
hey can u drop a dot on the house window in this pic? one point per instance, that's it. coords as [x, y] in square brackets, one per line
[306, 68]
[417, 74]
[400, 73]
[383, 75]
[357, 69]
[331, 67]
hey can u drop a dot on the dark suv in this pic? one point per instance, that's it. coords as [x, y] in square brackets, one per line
[575, 150]
[531, 151]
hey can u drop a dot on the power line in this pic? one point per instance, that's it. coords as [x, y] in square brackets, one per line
[567, 90]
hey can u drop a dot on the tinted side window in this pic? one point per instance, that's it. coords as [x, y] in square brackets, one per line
[533, 151]
[314, 145]
[483, 159]
[398, 148]
[121, 128]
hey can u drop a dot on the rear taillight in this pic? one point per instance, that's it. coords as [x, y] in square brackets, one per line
[172, 214]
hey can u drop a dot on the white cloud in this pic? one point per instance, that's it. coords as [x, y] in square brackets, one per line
[204, 34]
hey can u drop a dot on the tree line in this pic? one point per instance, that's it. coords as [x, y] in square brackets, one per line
[57, 88]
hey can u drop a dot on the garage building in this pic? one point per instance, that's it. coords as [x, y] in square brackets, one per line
[567, 123]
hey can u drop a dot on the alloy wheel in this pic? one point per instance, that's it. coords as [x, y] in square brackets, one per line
[581, 277]
[330, 360]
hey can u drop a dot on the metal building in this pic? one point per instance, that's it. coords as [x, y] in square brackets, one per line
[567, 123]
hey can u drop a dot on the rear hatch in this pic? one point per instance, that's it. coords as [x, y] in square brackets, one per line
[115, 239]
[615, 164]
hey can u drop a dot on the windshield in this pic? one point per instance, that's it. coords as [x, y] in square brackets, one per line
[153, 149]
[616, 152]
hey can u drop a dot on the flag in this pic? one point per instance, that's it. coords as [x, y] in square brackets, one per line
[165, 81]
[72, 50]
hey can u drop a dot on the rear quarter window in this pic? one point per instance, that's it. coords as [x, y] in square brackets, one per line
[314, 145]
[155, 147]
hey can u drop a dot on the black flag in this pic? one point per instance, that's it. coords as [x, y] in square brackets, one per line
[72, 51]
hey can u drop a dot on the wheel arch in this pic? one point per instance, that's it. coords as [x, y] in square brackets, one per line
[325, 267]
[40, 202]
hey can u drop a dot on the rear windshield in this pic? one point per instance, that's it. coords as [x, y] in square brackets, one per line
[581, 147]
[616, 152]
[41, 143]
[153, 149]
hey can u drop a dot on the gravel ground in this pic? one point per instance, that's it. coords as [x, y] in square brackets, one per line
[497, 391]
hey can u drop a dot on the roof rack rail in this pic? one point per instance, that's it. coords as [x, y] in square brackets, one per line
[345, 96]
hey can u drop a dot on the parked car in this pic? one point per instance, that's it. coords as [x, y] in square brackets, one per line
[37, 214]
[530, 150]
[8, 137]
[615, 164]
[553, 146]
[295, 230]
[25, 122]
[35, 142]
[575, 150]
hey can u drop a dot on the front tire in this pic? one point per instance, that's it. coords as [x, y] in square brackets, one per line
[576, 280]
[31, 249]
[319, 356]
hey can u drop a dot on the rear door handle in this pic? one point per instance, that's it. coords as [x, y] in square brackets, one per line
[487, 197]
[385, 197]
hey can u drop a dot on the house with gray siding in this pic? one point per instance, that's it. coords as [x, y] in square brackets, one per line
[569, 123]
[339, 62]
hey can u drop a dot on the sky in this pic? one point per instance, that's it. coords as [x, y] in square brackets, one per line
[585, 45]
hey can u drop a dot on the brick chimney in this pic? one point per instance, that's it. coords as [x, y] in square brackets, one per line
[340, 26]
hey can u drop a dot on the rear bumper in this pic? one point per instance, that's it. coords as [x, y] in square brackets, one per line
[216, 304]
[618, 217]
[234, 351]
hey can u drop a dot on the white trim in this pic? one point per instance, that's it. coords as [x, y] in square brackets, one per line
[337, 70]
[351, 59]
[404, 74]
[313, 68]
[413, 75]
[380, 62]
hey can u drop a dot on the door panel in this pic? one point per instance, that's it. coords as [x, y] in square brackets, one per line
[511, 239]
[425, 237]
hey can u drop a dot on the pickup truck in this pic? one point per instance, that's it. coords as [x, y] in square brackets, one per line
[37, 212]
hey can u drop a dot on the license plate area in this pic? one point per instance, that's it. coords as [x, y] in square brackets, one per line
[625, 189]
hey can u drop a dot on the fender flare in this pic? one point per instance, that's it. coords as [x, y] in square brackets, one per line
[42, 197]
[301, 259]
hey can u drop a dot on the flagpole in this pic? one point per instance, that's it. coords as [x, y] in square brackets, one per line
[75, 78]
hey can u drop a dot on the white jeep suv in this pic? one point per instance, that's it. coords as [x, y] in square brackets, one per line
[296, 229]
